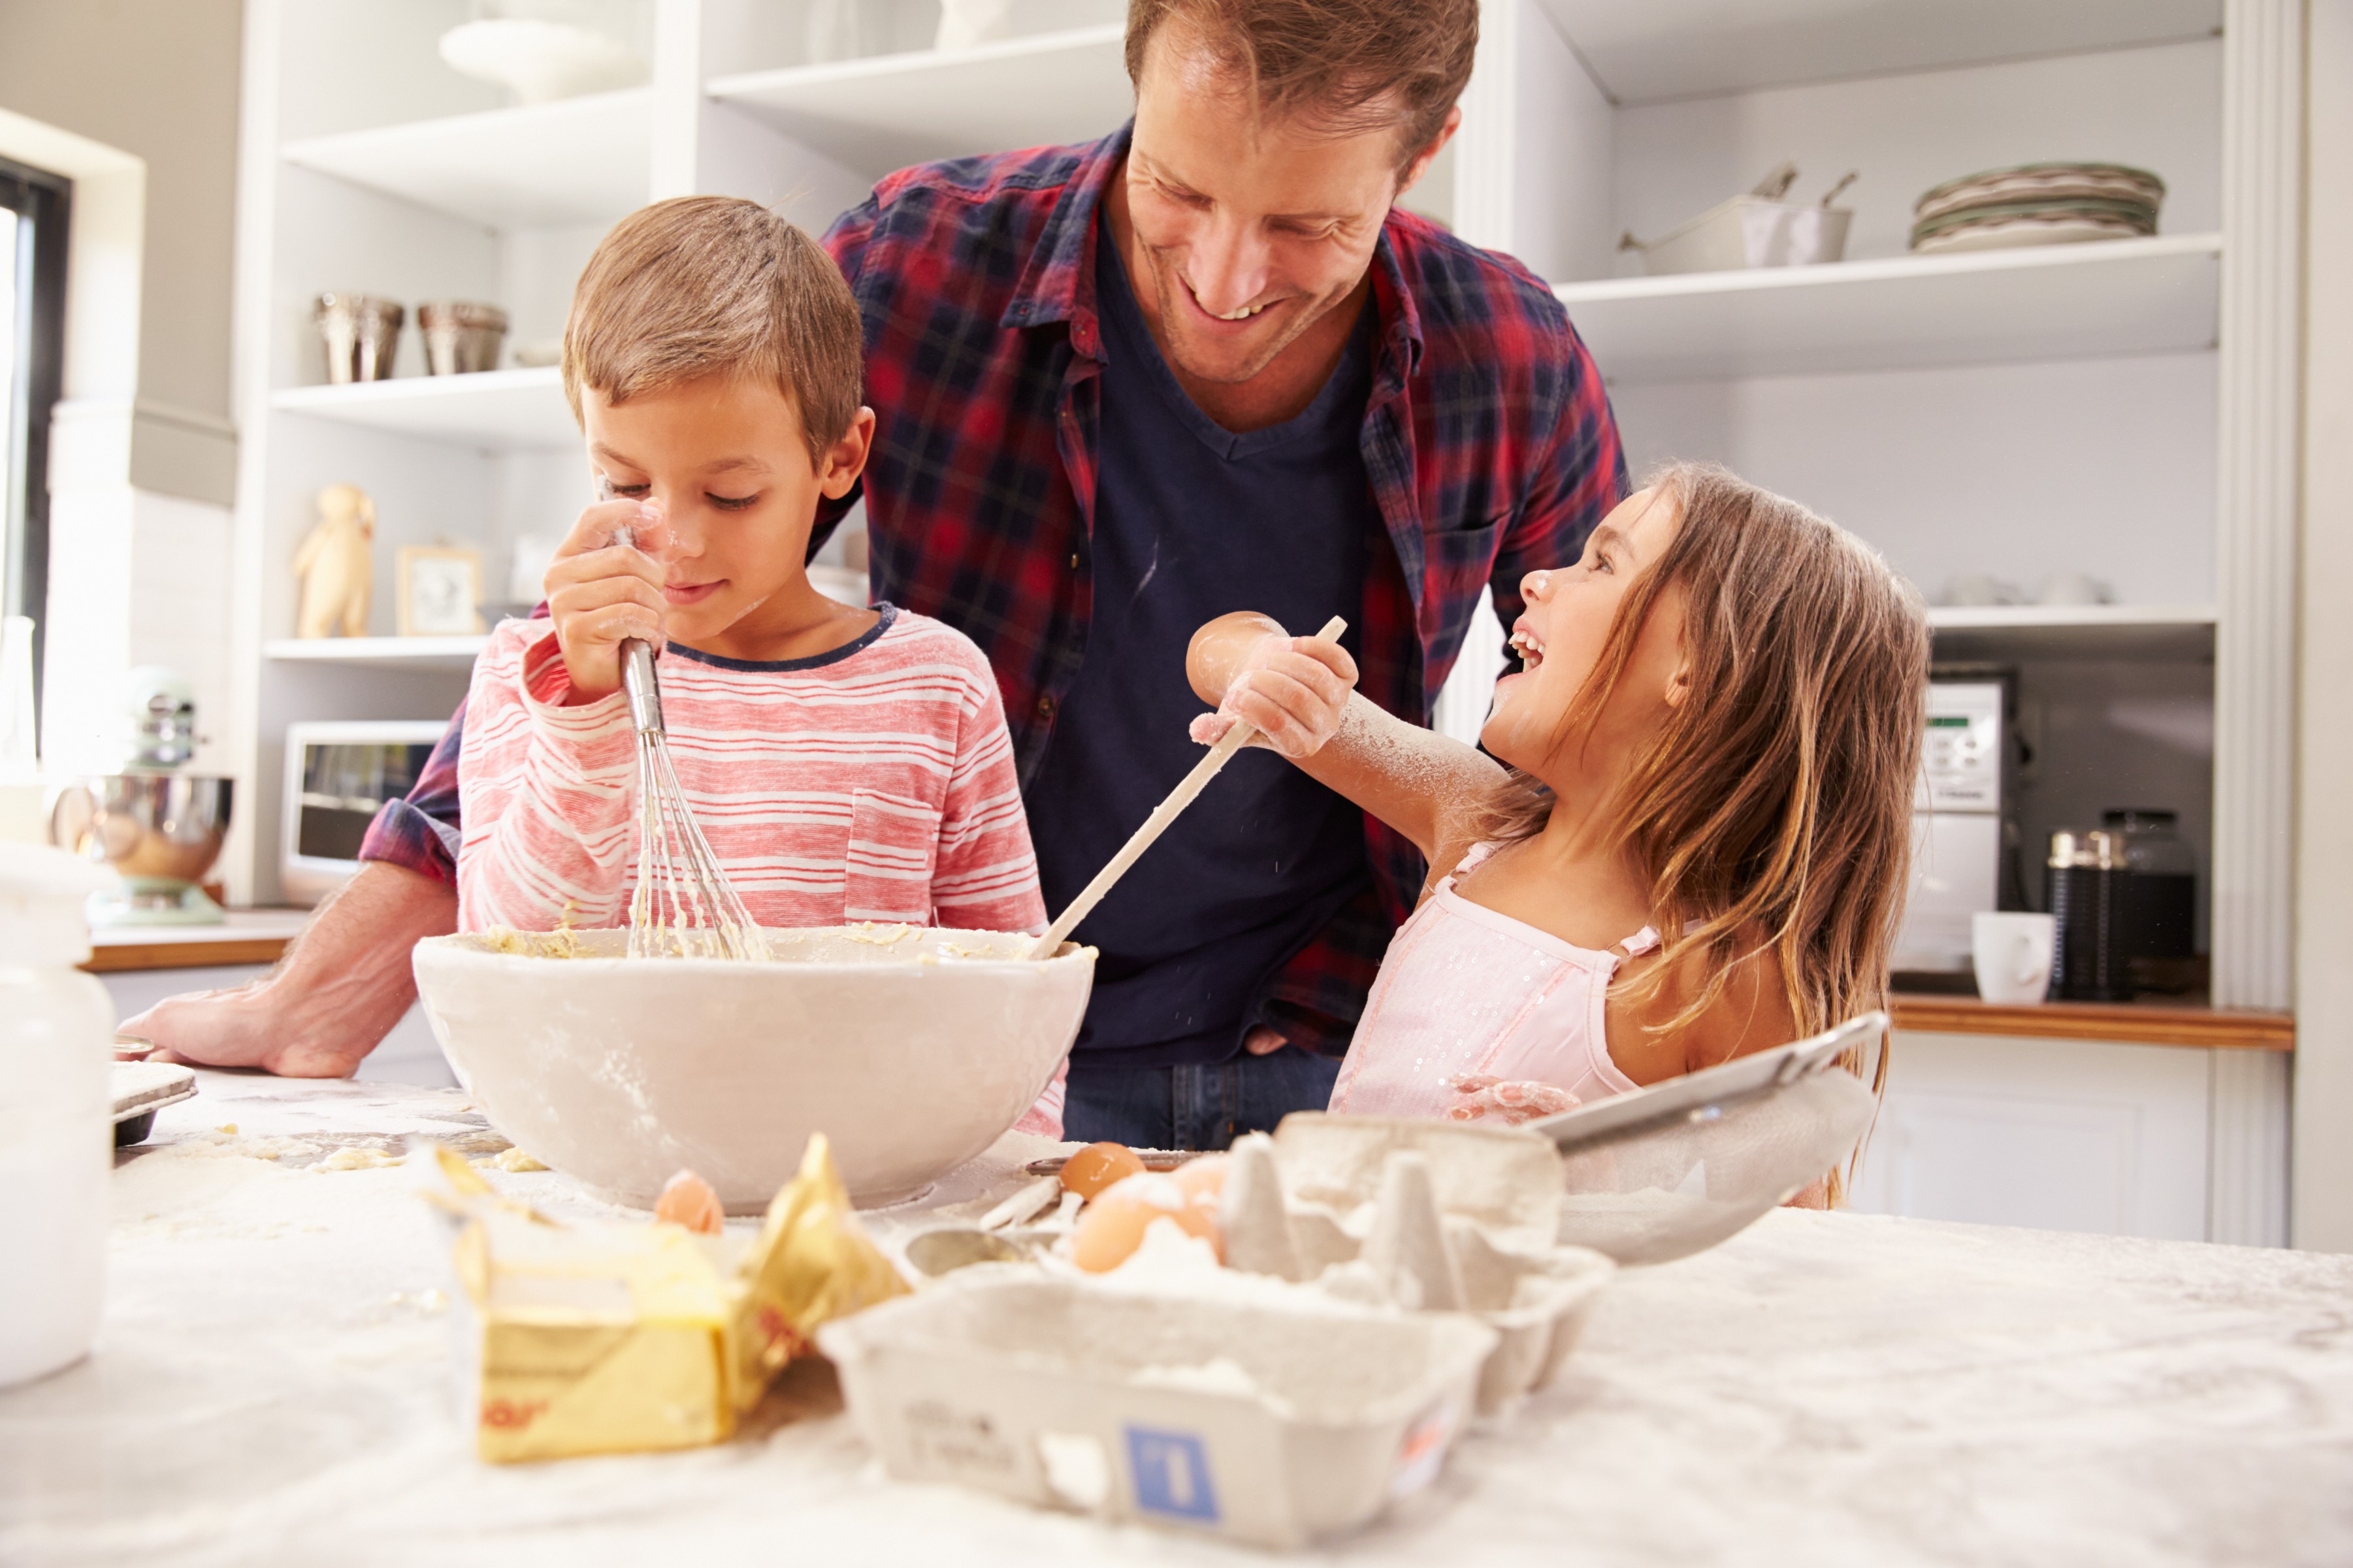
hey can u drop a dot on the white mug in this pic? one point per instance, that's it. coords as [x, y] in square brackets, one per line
[2014, 955]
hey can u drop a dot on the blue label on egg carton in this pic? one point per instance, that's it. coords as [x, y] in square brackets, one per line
[1169, 1474]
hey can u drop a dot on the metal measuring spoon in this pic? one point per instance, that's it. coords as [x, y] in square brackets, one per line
[944, 1251]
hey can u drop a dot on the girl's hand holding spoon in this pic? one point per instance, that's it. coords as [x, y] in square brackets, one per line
[1293, 691]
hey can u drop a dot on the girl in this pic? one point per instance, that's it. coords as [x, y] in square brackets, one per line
[1714, 736]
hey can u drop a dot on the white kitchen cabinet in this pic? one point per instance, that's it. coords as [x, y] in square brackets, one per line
[2055, 1134]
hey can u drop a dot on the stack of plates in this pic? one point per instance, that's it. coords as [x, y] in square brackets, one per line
[2037, 204]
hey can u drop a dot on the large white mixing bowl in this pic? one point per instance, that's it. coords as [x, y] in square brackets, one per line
[910, 1056]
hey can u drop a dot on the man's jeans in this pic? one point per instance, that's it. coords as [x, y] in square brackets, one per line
[1193, 1106]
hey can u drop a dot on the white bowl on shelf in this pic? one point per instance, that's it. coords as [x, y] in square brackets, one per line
[618, 1071]
[540, 61]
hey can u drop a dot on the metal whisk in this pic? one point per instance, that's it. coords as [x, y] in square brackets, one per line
[684, 906]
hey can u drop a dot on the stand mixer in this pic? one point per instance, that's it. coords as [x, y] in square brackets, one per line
[158, 829]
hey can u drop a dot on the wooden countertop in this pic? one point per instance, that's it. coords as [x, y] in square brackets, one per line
[260, 936]
[248, 936]
[2128, 1023]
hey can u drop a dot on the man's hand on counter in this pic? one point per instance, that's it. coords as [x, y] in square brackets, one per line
[340, 989]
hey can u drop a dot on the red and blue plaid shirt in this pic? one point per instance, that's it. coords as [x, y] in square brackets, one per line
[1487, 438]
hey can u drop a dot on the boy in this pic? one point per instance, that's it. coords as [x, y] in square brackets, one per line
[846, 764]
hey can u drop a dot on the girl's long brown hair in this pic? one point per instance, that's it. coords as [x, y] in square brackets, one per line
[1773, 812]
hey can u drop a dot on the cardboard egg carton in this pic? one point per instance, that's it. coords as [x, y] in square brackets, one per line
[1424, 1216]
[1249, 1410]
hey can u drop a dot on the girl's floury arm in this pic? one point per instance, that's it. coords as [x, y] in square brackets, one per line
[1299, 693]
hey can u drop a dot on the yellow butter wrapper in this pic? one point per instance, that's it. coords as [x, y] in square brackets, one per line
[614, 1338]
[627, 1338]
[813, 1263]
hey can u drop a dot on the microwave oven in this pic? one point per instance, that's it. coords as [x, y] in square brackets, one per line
[337, 776]
[1961, 823]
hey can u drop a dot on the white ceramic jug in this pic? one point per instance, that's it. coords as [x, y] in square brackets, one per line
[56, 1134]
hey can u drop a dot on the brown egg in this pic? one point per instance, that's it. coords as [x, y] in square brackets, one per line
[1097, 1167]
[1112, 1227]
[1204, 1179]
[688, 1200]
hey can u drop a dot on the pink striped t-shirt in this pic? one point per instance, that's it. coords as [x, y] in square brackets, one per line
[873, 782]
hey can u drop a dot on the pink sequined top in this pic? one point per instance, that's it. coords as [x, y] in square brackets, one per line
[1464, 990]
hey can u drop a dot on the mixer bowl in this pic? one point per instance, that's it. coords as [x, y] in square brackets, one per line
[910, 1056]
[160, 832]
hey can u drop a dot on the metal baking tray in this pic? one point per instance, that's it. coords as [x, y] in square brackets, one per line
[140, 1090]
[1709, 1093]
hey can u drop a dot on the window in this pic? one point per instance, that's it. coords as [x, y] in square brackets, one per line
[33, 208]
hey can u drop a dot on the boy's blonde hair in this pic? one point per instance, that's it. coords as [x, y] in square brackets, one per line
[1774, 809]
[702, 285]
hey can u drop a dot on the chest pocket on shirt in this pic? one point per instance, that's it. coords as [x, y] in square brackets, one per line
[1459, 560]
[895, 843]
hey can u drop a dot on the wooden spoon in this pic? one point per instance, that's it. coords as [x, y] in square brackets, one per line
[1158, 823]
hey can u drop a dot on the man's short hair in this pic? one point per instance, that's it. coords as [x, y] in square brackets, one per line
[1347, 65]
[703, 285]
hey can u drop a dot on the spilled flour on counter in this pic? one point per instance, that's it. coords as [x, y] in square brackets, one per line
[213, 1145]
[352, 1157]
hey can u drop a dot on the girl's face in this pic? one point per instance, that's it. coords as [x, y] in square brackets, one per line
[1561, 634]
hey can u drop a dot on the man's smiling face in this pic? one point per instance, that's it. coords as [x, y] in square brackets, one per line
[1253, 228]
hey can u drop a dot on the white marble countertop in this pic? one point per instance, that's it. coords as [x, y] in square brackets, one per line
[275, 1382]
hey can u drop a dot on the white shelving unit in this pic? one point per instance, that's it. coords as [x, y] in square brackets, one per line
[446, 654]
[533, 166]
[2052, 302]
[2174, 633]
[876, 115]
[1663, 49]
[493, 410]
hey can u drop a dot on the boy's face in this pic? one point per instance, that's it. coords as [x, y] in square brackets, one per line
[726, 458]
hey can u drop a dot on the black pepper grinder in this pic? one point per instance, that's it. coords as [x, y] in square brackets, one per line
[2088, 958]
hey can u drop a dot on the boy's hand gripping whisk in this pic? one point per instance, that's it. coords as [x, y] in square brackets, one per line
[684, 906]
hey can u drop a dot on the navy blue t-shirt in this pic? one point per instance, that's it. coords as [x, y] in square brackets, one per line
[1193, 521]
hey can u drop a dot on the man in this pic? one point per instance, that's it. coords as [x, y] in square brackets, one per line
[1201, 365]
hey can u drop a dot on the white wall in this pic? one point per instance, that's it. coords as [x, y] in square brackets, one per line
[2097, 466]
[156, 80]
[2322, 1209]
[134, 578]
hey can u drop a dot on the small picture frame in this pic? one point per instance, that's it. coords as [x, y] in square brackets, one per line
[440, 591]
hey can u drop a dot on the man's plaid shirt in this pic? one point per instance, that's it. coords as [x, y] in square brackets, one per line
[1487, 438]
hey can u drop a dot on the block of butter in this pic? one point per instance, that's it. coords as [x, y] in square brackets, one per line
[622, 1337]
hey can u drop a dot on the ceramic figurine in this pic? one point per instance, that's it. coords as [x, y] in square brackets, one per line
[334, 566]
